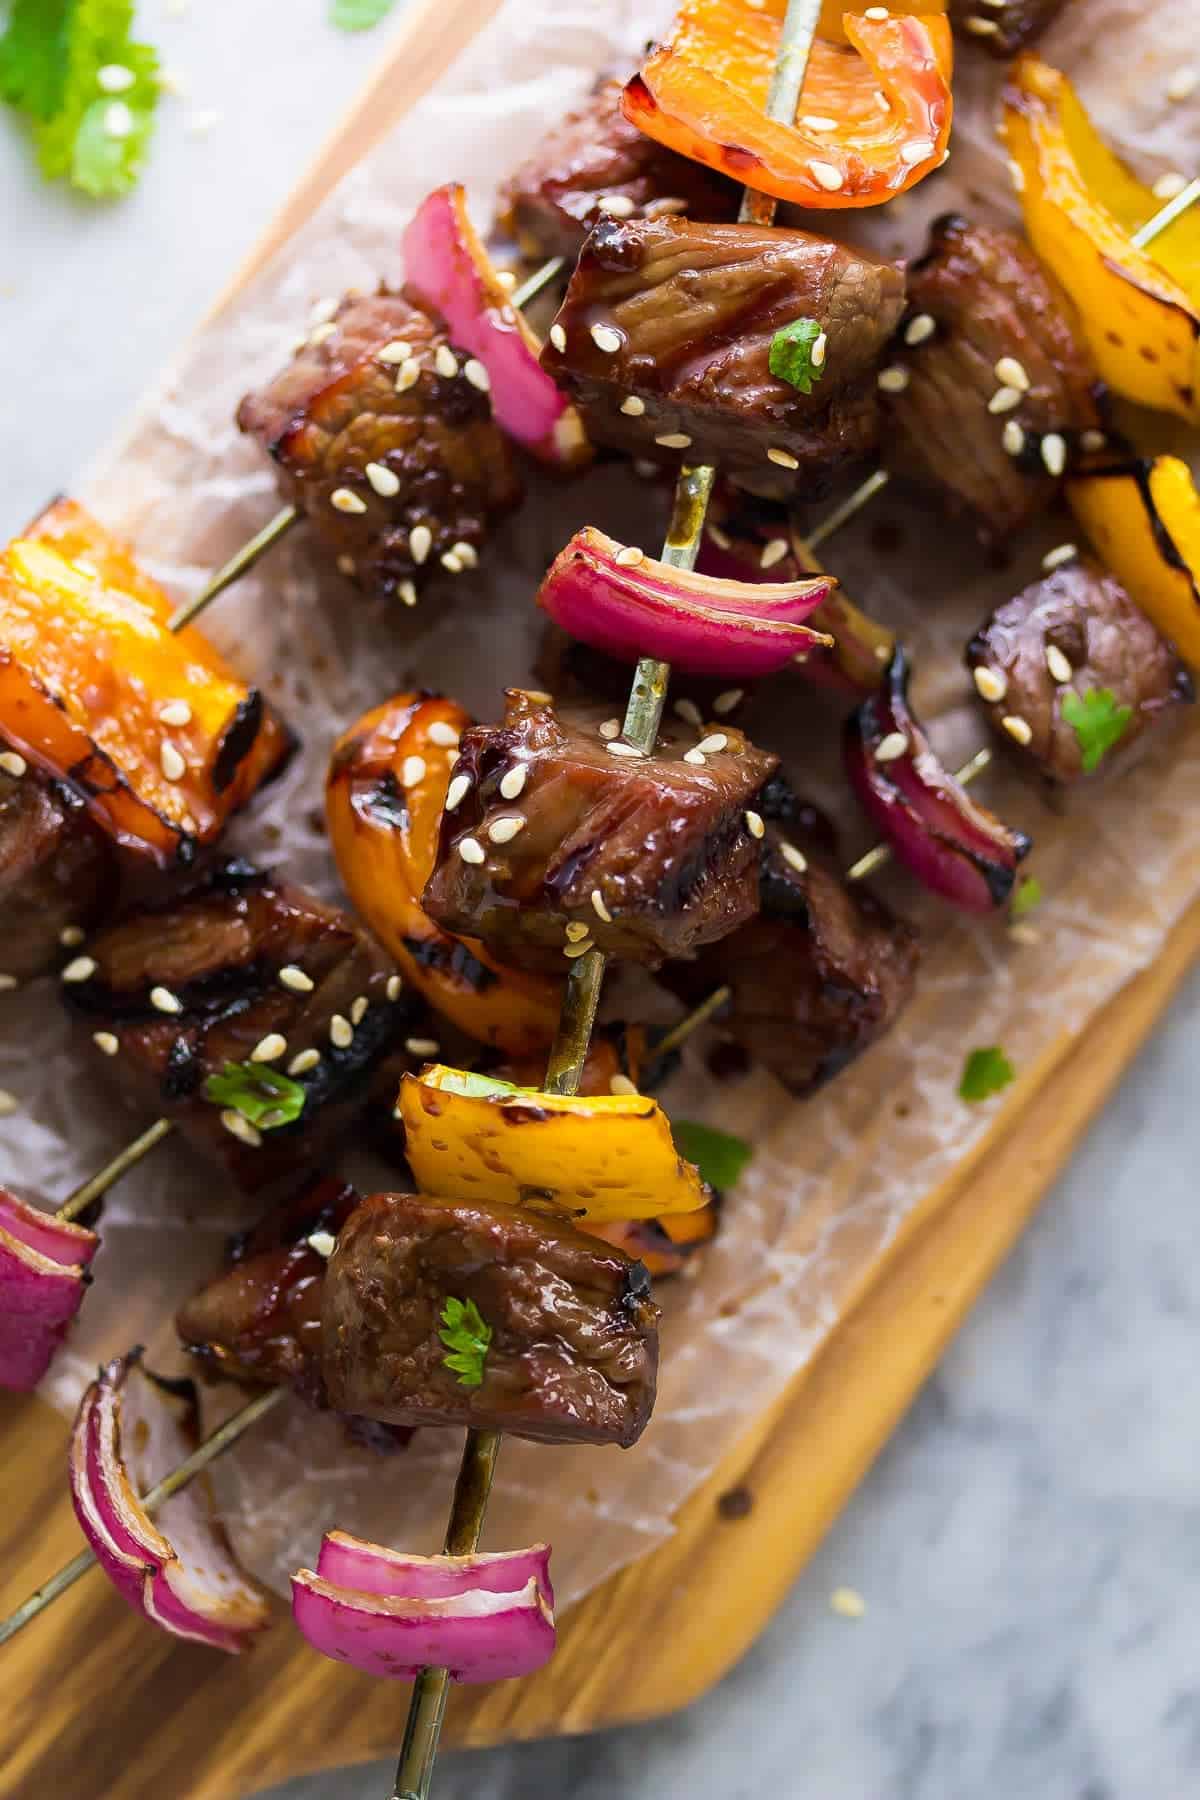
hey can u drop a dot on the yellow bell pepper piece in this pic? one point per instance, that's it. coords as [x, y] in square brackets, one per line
[1143, 517]
[599, 1157]
[1139, 309]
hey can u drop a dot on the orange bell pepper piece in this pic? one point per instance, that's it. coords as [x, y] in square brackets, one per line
[874, 114]
[665, 1245]
[1143, 517]
[87, 666]
[1138, 309]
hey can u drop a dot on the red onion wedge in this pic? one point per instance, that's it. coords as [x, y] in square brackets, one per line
[628, 605]
[957, 848]
[43, 1277]
[449, 272]
[180, 1573]
[350, 1562]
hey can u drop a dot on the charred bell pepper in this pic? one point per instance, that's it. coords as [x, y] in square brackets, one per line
[604, 1158]
[704, 93]
[149, 727]
[1139, 309]
[387, 786]
[664, 1245]
[1143, 516]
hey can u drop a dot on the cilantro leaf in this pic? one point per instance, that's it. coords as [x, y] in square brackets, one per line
[719, 1157]
[794, 356]
[1098, 723]
[985, 1072]
[262, 1095]
[476, 1086]
[33, 56]
[1028, 895]
[467, 1336]
[358, 15]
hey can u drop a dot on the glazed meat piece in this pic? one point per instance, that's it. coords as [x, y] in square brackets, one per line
[596, 156]
[988, 393]
[653, 856]
[57, 870]
[573, 1353]
[383, 439]
[664, 337]
[174, 992]
[1072, 632]
[820, 974]
[1003, 27]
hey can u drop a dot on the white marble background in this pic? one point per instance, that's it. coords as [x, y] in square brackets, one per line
[1029, 1545]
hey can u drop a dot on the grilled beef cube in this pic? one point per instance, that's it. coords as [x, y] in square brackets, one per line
[1000, 337]
[1003, 28]
[573, 1353]
[664, 337]
[596, 156]
[57, 870]
[188, 986]
[820, 973]
[396, 460]
[652, 854]
[1074, 631]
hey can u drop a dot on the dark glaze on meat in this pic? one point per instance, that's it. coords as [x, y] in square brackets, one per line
[1084, 614]
[1003, 28]
[336, 408]
[663, 842]
[696, 307]
[595, 154]
[574, 1348]
[989, 299]
[220, 951]
[57, 869]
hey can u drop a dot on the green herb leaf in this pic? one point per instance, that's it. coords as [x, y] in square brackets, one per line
[791, 354]
[262, 1095]
[719, 1157]
[467, 1337]
[358, 15]
[1028, 895]
[33, 56]
[985, 1072]
[1098, 723]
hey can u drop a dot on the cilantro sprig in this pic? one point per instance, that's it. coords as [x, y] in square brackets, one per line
[1097, 721]
[264, 1097]
[795, 356]
[467, 1336]
[358, 15]
[1028, 895]
[985, 1072]
[718, 1155]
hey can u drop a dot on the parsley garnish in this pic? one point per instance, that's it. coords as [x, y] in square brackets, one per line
[791, 354]
[467, 1337]
[719, 1157]
[985, 1073]
[1028, 895]
[263, 1096]
[358, 15]
[1098, 723]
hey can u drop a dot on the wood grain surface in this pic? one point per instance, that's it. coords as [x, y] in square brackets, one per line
[97, 1704]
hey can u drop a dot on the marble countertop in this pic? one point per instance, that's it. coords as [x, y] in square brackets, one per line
[1028, 1546]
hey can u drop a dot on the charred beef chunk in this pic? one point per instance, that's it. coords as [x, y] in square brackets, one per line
[1075, 631]
[653, 855]
[186, 987]
[573, 1352]
[57, 870]
[383, 439]
[664, 337]
[595, 163]
[1003, 27]
[989, 394]
[820, 974]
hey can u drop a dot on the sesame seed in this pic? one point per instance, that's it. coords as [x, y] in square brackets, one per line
[1183, 84]
[606, 339]
[629, 556]
[917, 151]
[598, 907]
[664, 208]
[537, 696]
[618, 749]
[714, 742]
[876, 12]
[341, 1032]
[773, 552]
[617, 206]
[794, 858]
[359, 1010]
[846, 1600]
[512, 782]
[1004, 399]
[673, 440]
[443, 735]
[507, 277]
[695, 756]
[1054, 452]
[175, 712]
[445, 361]
[725, 703]
[269, 1048]
[171, 762]
[1016, 175]
[890, 747]
[918, 330]
[820, 350]
[295, 979]
[1062, 553]
[420, 543]
[105, 1041]
[1093, 440]
[633, 405]
[466, 553]
[343, 500]
[980, 27]
[472, 851]
[419, 1046]
[449, 560]
[720, 538]
[558, 337]
[459, 788]
[1017, 727]
[323, 1242]
[7, 983]
[1058, 664]
[321, 311]
[303, 1062]
[71, 936]
[395, 988]
[81, 969]
[13, 764]
[477, 374]
[8, 1103]
[690, 712]
[754, 824]
[576, 931]
[1013, 437]
[826, 175]
[240, 1128]
[784, 458]
[893, 380]
[1021, 932]
[408, 374]
[503, 831]
[115, 78]
[621, 1084]
[118, 120]
[412, 770]
[347, 566]
[164, 1001]
[385, 481]
[321, 333]
[816, 122]
[579, 949]
[408, 593]
[398, 351]
[991, 683]
[1010, 373]
[1168, 185]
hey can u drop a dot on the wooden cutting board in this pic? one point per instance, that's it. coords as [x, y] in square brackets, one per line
[98, 1705]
